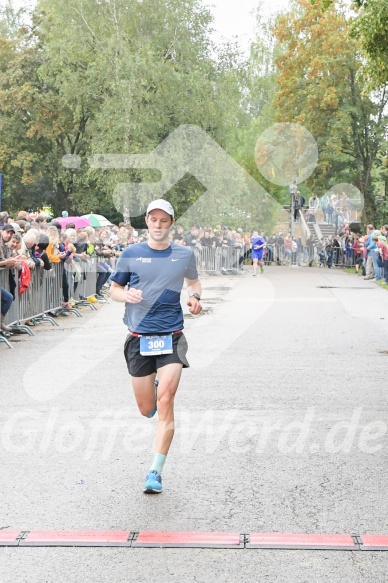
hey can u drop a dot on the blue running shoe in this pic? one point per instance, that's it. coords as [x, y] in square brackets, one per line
[156, 400]
[153, 483]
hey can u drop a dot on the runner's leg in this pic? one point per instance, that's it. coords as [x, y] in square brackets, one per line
[144, 391]
[169, 377]
[255, 261]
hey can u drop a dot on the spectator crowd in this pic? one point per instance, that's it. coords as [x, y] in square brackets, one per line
[337, 209]
[28, 244]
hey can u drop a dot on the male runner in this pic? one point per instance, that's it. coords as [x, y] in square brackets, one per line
[258, 243]
[154, 272]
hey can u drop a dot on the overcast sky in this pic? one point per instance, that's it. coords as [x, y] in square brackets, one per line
[233, 18]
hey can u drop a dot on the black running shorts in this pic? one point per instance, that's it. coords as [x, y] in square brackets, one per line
[359, 260]
[142, 366]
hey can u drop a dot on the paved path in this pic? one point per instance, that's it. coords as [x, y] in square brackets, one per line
[281, 427]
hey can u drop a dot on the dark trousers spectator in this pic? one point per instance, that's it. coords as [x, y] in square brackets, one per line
[278, 252]
[386, 270]
[329, 258]
[360, 263]
[310, 251]
[65, 285]
[269, 256]
[248, 255]
[234, 255]
[6, 301]
[103, 275]
[349, 258]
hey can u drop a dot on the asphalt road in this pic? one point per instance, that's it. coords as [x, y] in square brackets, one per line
[281, 427]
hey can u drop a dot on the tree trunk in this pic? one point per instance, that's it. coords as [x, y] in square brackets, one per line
[364, 162]
[62, 199]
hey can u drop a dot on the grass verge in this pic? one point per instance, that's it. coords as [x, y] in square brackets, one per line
[381, 283]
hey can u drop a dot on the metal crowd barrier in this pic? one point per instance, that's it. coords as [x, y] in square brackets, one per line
[336, 257]
[44, 295]
[33, 303]
[208, 260]
[271, 254]
[215, 261]
[280, 255]
[346, 258]
[82, 278]
[4, 278]
[219, 260]
[4, 284]
[53, 287]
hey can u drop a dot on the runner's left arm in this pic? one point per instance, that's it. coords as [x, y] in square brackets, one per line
[194, 287]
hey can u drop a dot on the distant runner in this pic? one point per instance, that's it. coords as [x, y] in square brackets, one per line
[154, 272]
[258, 244]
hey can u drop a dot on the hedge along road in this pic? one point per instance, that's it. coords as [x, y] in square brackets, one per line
[281, 427]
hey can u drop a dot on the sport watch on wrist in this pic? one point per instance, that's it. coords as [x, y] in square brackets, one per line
[196, 296]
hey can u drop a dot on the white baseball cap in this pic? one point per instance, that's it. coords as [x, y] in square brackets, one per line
[162, 205]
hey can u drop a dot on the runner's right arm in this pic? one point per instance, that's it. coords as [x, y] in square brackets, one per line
[119, 293]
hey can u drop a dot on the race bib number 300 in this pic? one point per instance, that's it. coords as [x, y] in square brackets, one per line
[155, 345]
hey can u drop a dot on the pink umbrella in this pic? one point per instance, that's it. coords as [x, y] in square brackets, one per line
[79, 222]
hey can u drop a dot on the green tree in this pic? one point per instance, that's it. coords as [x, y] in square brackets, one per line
[10, 20]
[370, 28]
[165, 77]
[38, 125]
[319, 87]
[258, 89]
[124, 77]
